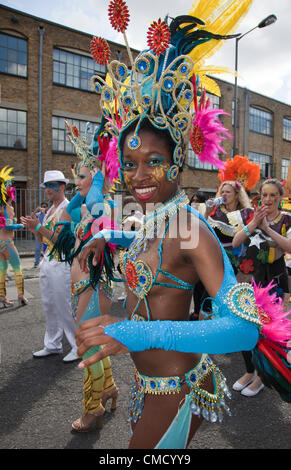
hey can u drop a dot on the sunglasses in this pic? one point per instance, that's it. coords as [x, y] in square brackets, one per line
[53, 186]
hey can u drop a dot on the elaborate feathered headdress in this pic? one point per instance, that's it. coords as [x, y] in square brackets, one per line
[243, 171]
[5, 180]
[158, 86]
[92, 154]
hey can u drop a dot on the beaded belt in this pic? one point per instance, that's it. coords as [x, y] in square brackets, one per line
[166, 385]
[78, 287]
[208, 405]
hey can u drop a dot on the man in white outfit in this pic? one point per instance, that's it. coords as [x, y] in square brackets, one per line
[55, 277]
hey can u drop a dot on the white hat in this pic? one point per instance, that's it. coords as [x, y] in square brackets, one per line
[54, 175]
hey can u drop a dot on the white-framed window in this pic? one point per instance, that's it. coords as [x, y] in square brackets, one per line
[265, 162]
[13, 129]
[60, 141]
[13, 55]
[74, 70]
[261, 121]
[284, 167]
[287, 129]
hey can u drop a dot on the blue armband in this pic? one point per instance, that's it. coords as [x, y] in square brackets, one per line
[220, 336]
[95, 198]
[75, 203]
[117, 237]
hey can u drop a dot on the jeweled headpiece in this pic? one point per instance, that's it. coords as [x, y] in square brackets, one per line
[163, 82]
[92, 152]
[83, 148]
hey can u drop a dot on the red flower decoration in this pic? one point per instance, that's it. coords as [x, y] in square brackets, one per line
[2, 222]
[247, 266]
[158, 36]
[118, 15]
[131, 275]
[197, 139]
[100, 50]
[75, 130]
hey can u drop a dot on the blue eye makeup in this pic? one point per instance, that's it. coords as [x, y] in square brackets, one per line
[128, 165]
[155, 161]
[82, 177]
[151, 162]
[53, 186]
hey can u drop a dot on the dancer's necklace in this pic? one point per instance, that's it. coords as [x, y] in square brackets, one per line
[154, 221]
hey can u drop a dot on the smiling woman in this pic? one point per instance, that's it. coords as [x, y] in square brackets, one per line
[176, 383]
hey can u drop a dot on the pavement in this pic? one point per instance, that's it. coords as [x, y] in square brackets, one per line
[41, 397]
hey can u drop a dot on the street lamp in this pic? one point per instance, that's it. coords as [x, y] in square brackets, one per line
[265, 22]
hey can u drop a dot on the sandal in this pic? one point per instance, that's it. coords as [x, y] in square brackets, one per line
[5, 303]
[80, 426]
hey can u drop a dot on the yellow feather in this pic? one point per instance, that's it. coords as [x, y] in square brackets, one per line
[220, 17]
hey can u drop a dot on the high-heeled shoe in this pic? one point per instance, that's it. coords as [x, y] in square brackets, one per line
[110, 395]
[4, 303]
[79, 426]
[22, 301]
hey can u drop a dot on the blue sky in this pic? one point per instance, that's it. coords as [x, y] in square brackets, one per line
[264, 55]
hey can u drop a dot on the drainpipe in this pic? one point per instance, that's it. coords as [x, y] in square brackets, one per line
[41, 31]
[246, 99]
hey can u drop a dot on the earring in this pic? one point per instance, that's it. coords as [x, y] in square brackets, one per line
[172, 173]
[259, 203]
[280, 206]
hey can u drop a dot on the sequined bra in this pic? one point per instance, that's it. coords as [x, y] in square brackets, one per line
[140, 278]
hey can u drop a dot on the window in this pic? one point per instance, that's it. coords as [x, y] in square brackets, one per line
[284, 168]
[61, 143]
[194, 162]
[287, 129]
[75, 70]
[13, 55]
[264, 161]
[260, 121]
[12, 128]
[214, 100]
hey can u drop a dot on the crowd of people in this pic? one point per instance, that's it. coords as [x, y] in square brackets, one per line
[166, 249]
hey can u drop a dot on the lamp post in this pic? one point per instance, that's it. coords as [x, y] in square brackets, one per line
[265, 22]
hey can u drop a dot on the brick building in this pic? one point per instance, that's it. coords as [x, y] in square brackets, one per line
[39, 58]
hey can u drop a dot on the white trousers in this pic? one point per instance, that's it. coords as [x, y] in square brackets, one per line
[55, 289]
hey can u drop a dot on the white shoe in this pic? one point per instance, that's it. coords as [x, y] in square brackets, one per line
[251, 393]
[72, 356]
[45, 352]
[238, 387]
[122, 297]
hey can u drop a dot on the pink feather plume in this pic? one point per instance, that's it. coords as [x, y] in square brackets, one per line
[108, 153]
[276, 326]
[207, 131]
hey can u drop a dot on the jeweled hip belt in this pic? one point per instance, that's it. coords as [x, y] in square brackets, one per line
[78, 287]
[173, 384]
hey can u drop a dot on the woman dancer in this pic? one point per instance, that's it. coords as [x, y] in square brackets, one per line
[89, 299]
[175, 386]
[267, 237]
[238, 176]
[8, 251]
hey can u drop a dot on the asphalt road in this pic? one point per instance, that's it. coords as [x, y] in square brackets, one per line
[39, 398]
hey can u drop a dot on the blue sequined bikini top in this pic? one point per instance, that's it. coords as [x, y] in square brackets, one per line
[140, 278]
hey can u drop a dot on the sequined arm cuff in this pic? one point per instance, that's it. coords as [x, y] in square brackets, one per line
[117, 237]
[218, 336]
